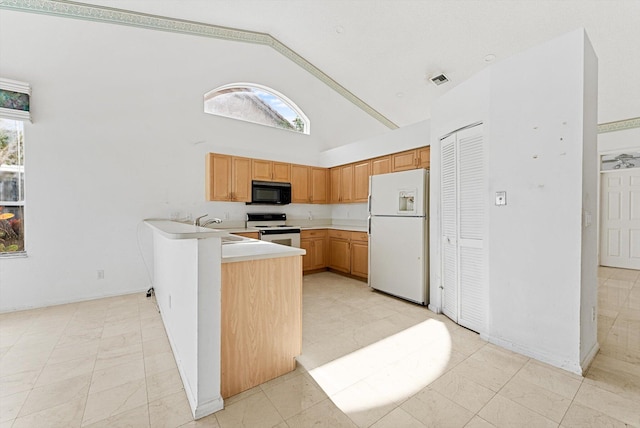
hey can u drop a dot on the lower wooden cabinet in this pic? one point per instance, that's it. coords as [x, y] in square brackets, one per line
[260, 299]
[314, 242]
[339, 250]
[254, 235]
[340, 258]
[349, 252]
[359, 254]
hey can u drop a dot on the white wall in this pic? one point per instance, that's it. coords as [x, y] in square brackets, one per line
[187, 286]
[119, 135]
[397, 140]
[619, 141]
[541, 143]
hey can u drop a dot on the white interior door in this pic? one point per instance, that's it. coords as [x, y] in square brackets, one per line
[464, 284]
[620, 219]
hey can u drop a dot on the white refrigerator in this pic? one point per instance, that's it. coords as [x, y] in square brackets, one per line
[398, 234]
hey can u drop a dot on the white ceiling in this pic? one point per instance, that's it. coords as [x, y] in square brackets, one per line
[383, 51]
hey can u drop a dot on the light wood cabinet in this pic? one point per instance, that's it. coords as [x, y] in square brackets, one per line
[308, 185]
[359, 254]
[253, 235]
[340, 254]
[411, 159]
[314, 242]
[300, 184]
[403, 161]
[259, 299]
[342, 184]
[265, 170]
[381, 165]
[361, 173]
[228, 178]
[349, 252]
[319, 185]
[424, 157]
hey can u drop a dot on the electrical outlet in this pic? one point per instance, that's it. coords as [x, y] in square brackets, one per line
[226, 216]
[100, 274]
[501, 198]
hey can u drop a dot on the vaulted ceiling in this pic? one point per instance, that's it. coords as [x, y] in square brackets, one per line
[383, 52]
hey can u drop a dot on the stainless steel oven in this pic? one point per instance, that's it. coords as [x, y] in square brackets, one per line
[272, 227]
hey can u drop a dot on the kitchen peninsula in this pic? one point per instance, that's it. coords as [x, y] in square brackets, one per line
[218, 295]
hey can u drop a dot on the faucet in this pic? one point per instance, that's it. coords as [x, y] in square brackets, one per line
[213, 220]
[196, 222]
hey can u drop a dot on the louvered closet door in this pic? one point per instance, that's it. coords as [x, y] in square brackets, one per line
[473, 302]
[449, 204]
[464, 294]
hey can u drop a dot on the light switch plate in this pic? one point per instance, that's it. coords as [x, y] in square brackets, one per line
[501, 198]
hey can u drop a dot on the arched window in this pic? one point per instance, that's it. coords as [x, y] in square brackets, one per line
[258, 104]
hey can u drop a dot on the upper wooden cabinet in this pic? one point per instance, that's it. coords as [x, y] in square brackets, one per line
[265, 170]
[341, 184]
[319, 185]
[228, 178]
[361, 173]
[424, 157]
[403, 161]
[308, 185]
[381, 165]
[411, 159]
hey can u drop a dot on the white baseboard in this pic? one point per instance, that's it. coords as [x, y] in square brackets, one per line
[570, 366]
[586, 362]
[197, 410]
[205, 409]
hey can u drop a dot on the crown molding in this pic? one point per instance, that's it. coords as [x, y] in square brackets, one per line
[619, 125]
[87, 12]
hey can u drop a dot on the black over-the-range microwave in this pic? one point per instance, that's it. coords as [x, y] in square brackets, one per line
[270, 193]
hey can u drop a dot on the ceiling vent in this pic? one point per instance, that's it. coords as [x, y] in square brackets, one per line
[439, 79]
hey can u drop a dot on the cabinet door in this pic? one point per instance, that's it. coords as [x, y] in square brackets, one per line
[281, 172]
[218, 177]
[319, 253]
[346, 184]
[261, 170]
[361, 181]
[403, 161]
[340, 256]
[335, 184]
[252, 235]
[300, 184]
[424, 157]
[309, 258]
[360, 259]
[241, 179]
[319, 185]
[381, 165]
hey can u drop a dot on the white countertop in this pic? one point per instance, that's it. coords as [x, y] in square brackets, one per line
[240, 249]
[314, 227]
[253, 249]
[178, 230]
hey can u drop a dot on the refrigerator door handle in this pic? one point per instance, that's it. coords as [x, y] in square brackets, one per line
[369, 203]
[369, 225]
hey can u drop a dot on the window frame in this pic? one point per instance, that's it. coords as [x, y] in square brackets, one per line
[283, 98]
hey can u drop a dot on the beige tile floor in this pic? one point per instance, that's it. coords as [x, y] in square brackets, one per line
[368, 361]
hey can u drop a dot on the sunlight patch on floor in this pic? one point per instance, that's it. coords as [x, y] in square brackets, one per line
[387, 371]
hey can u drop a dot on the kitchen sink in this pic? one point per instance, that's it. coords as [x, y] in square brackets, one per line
[231, 239]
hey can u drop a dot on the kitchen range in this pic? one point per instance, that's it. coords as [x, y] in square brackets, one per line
[272, 228]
